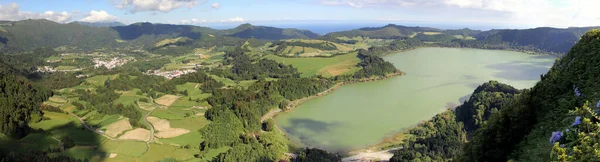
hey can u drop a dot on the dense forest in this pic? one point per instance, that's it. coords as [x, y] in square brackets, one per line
[20, 103]
[282, 45]
[487, 99]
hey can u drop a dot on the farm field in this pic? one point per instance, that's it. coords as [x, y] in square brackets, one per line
[321, 66]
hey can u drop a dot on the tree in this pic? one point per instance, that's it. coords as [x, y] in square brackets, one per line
[68, 142]
[268, 125]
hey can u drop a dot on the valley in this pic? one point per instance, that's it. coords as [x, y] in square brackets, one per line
[165, 92]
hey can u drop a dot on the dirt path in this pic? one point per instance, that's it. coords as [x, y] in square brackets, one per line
[148, 123]
[384, 155]
[270, 114]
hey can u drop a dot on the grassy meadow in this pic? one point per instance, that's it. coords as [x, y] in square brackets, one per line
[321, 66]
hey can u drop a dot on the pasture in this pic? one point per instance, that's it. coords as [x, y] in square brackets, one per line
[321, 66]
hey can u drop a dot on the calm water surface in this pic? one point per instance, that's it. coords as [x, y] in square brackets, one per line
[358, 115]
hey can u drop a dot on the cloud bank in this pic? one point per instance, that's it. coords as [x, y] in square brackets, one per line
[155, 5]
[99, 16]
[559, 13]
[13, 12]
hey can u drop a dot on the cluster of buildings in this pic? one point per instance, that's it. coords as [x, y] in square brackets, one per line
[109, 64]
[171, 74]
[46, 69]
[50, 69]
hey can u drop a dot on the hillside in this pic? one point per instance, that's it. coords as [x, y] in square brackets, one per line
[269, 33]
[100, 24]
[31, 34]
[386, 32]
[521, 130]
[546, 39]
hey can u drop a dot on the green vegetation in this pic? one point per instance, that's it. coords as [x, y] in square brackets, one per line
[390, 31]
[320, 66]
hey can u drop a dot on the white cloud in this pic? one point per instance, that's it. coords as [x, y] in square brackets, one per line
[99, 16]
[558, 13]
[192, 21]
[235, 19]
[197, 21]
[215, 5]
[13, 12]
[155, 5]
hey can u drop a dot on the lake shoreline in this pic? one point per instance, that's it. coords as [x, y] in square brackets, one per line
[394, 139]
[293, 104]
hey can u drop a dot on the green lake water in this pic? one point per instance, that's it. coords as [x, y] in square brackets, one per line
[358, 115]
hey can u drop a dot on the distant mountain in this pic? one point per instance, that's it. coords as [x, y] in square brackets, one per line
[100, 24]
[546, 39]
[269, 33]
[386, 32]
[31, 34]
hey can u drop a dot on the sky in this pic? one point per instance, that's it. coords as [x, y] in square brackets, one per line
[516, 13]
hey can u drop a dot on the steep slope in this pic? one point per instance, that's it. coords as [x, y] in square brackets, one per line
[521, 130]
[269, 33]
[385, 32]
[30, 34]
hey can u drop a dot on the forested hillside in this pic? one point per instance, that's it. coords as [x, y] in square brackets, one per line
[31, 34]
[545, 39]
[390, 31]
[269, 33]
[521, 130]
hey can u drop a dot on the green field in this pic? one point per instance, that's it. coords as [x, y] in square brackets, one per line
[321, 66]
[193, 138]
[99, 79]
[125, 147]
[157, 152]
[129, 97]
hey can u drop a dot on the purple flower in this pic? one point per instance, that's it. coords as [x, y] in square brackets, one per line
[568, 130]
[577, 93]
[555, 137]
[577, 121]
[598, 104]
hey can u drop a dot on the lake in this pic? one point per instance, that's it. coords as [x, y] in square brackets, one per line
[362, 114]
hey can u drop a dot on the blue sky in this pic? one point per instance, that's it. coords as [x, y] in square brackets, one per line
[525, 13]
